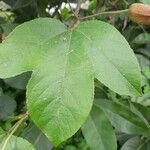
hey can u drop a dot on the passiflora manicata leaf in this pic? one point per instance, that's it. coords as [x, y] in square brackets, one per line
[64, 64]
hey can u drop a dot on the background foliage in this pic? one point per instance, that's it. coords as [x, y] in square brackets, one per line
[125, 115]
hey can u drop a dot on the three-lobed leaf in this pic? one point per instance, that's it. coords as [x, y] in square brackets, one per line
[64, 64]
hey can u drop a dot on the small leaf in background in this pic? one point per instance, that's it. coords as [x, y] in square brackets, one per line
[143, 38]
[135, 143]
[70, 147]
[143, 62]
[147, 72]
[8, 27]
[15, 143]
[122, 137]
[98, 131]
[7, 106]
[36, 137]
[122, 118]
[18, 4]
[18, 82]
[1, 131]
[144, 110]
[92, 5]
[65, 13]
[138, 113]
[144, 100]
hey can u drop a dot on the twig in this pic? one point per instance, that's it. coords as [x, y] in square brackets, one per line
[78, 7]
[74, 23]
[14, 128]
[72, 9]
[105, 13]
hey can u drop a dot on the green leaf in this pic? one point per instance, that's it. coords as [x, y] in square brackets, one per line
[36, 137]
[18, 82]
[144, 110]
[1, 131]
[137, 109]
[137, 112]
[8, 27]
[64, 64]
[143, 38]
[98, 131]
[122, 118]
[70, 147]
[134, 143]
[7, 106]
[143, 62]
[122, 137]
[144, 100]
[21, 3]
[15, 143]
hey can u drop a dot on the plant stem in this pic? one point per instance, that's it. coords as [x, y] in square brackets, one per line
[78, 7]
[75, 22]
[14, 128]
[72, 9]
[105, 13]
